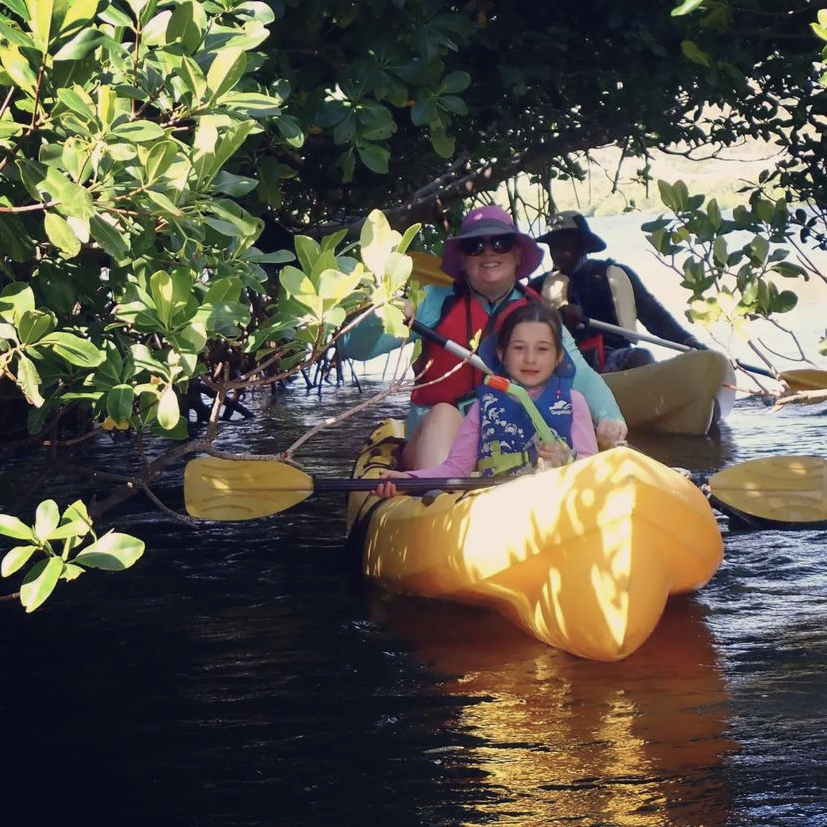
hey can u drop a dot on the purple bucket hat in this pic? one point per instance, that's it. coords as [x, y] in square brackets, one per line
[490, 221]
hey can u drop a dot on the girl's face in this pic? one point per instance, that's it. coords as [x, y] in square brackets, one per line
[531, 356]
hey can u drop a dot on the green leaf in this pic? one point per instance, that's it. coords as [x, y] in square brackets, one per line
[40, 582]
[789, 270]
[81, 45]
[112, 552]
[60, 234]
[77, 528]
[11, 526]
[115, 17]
[184, 27]
[40, 19]
[164, 204]
[296, 283]
[168, 411]
[16, 299]
[33, 325]
[225, 71]
[119, 402]
[73, 349]
[16, 559]
[78, 101]
[377, 241]
[18, 68]
[234, 185]
[28, 380]
[374, 157]
[139, 131]
[159, 159]
[161, 288]
[757, 250]
[686, 7]
[785, 301]
[46, 519]
[253, 104]
[693, 52]
[667, 195]
[456, 82]
[110, 238]
[71, 572]
[393, 320]
[307, 250]
[442, 143]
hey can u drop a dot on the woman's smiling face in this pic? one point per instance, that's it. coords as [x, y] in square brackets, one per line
[490, 273]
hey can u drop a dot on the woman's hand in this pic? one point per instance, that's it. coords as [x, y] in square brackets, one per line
[386, 490]
[610, 432]
[554, 454]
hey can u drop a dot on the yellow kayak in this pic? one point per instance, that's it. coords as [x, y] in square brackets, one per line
[687, 394]
[582, 558]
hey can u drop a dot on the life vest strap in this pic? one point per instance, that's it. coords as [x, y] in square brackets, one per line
[595, 344]
[499, 463]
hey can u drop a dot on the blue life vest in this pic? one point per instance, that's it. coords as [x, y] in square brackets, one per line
[507, 435]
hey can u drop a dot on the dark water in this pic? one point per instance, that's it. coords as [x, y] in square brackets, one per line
[234, 678]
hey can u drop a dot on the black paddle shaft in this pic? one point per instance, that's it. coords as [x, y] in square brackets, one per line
[332, 485]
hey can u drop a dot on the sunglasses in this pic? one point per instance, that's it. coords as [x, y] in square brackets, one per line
[498, 243]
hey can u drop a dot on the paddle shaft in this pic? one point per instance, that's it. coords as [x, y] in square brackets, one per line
[634, 336]
[451, 346]
[643, 337]
[334, 485]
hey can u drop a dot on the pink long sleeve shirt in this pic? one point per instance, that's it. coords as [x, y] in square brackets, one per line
[462, 458]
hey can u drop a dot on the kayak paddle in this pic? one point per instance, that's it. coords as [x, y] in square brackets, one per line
[781, 489]
[237, 489]
[796, 380]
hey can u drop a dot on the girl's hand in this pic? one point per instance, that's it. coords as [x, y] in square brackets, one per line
[554, 454]
[386, 490]
[610, 432]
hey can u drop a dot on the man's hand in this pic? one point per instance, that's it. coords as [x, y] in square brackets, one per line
[572, 315]
[610, 432]
[694, 343]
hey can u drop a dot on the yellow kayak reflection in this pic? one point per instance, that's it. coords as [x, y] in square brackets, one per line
[563, 740]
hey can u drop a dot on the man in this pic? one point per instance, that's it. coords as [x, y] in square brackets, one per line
[603, 290]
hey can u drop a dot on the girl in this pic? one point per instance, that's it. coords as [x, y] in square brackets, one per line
[497, 435]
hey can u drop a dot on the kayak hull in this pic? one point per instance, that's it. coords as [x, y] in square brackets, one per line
[687, 394]
[583, 558]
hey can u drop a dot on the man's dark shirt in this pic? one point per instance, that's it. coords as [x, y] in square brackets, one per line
[589, 288]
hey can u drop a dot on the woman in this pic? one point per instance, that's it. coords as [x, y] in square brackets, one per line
[486, 260]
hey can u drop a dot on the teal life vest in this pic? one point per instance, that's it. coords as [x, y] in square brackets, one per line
[507, 435]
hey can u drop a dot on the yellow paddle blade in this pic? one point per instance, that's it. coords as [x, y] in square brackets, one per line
[427, 269]
[789, 489]
[805, 379]
[235, 489]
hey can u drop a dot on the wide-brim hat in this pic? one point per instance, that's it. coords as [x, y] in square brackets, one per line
[490, 221]
[570, 221]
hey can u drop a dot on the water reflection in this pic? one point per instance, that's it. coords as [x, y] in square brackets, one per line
[634, 743]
